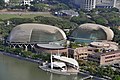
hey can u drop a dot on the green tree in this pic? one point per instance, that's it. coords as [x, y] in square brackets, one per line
[117, 34]
[116, 77]
[2, 48]
[26, 53]
[99, 19]
[2, 4]
[41, 7]
[43, 56]
[63, 24]
[81, 19]
[112, 18]
[18, 21]
[74, 45]
[59, 6]
[114, 21]
[17, 51]
[108, 71]
[100, 71]
[9, 50]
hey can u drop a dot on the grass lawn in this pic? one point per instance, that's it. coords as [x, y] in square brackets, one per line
[8, 16]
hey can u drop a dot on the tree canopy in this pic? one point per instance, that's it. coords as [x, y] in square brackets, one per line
[2, 4]
[63, 24]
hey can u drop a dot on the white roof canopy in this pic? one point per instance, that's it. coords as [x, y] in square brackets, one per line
[58, 64]
[68, 60]
[50, 46]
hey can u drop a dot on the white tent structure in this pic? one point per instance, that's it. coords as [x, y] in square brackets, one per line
[67, 60]
[63, 65]
[59, 64]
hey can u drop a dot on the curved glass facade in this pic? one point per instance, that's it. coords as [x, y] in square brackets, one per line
[45, 37]
[36, 33]
[91, 32]
[86, 34]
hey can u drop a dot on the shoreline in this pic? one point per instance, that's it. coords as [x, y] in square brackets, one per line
[20, 57]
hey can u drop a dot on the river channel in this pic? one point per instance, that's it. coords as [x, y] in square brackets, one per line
[15, 69]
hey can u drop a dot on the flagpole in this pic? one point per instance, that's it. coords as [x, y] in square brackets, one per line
[51, 61]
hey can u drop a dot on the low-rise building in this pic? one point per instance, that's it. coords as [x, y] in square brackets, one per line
[51, 49]
[26, 2]
[70, 13]
[94, 48]
[106, 58]
[81, 53]
[105, 45]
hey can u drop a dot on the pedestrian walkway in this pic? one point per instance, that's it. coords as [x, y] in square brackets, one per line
[88, 77]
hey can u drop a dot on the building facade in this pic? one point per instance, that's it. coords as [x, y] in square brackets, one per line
[26, 2]
[91, 4]
[106, 3]
[81, 53]
[107, 58]
[51, 49]
[85, 4]
[20, 2]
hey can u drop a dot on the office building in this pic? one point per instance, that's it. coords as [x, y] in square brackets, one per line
[85, 4]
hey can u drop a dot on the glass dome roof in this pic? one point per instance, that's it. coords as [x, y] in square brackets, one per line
[36, 33]
[92, 32]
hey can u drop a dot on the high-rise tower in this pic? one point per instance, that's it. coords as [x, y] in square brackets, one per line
[86, 4]
[114, 3]
[6, 1]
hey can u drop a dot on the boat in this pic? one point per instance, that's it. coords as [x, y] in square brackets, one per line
[61, 65]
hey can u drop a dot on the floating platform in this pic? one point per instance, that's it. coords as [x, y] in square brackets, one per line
[45, 68]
